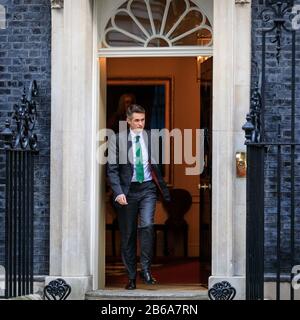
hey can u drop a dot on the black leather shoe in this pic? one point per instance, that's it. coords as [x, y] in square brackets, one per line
[131, 285]
[147, 277]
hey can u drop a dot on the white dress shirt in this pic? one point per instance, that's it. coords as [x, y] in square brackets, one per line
[146, 164]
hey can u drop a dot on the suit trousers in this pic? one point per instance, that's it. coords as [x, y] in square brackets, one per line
[137, 217]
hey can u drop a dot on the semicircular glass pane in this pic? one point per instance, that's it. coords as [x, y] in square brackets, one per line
[125, 22]
[118, 39]
[202, 37]
[158, 42]
[177, 8]
[158, 8]
[192, 20]
[139, 10]
[157, 23]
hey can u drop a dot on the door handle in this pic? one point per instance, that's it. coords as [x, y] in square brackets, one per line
[204, 186]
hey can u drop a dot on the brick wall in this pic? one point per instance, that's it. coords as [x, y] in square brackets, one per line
[25, 55]
[278, 93]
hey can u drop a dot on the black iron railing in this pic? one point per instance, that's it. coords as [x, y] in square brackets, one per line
[272, 153]
[20, 148]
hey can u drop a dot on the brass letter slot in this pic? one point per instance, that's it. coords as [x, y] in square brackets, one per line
[241, 164]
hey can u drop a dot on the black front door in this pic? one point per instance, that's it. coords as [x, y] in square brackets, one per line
[205, 177]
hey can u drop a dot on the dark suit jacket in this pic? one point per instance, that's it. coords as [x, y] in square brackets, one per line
[120, 164]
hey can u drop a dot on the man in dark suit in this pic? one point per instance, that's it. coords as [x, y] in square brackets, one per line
[134, 177]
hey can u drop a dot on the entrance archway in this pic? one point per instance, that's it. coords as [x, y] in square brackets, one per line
[74, 208]
[169, 29]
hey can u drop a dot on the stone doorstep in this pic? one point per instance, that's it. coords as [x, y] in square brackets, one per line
[28, 297]
[146, 293]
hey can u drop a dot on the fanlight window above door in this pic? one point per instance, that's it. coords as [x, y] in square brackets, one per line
[157, 23]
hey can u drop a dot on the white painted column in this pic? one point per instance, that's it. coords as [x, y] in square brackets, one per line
[72, 135]
[232, 45]
[241, 108]
[57, 97]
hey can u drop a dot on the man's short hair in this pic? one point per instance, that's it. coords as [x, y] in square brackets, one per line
[134, 108]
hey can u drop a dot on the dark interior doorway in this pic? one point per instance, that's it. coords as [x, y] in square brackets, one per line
[168, 267]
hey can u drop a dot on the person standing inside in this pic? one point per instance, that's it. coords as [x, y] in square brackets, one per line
[134, 185]
[126, 100]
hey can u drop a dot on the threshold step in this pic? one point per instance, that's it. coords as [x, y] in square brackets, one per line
[146, 292]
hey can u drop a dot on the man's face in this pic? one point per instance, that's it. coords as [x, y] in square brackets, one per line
[137, 122]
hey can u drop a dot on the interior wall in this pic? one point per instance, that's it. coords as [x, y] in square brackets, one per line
[186, 115]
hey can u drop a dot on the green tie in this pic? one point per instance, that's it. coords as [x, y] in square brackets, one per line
[139, 167]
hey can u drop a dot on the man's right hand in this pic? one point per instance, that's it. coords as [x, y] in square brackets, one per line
[121, 199]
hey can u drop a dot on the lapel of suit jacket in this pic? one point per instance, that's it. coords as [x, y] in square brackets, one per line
[125, 144]
[147, 139]
[129, 148]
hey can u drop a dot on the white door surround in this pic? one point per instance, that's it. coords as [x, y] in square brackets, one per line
[77, 237]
